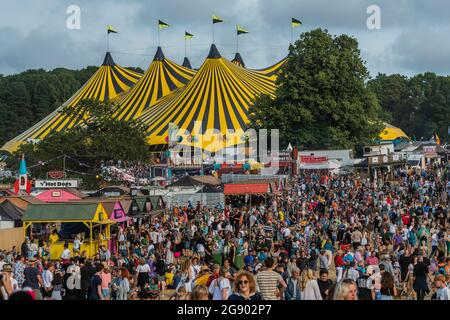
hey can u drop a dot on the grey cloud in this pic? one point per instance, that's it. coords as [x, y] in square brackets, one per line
[413, 37]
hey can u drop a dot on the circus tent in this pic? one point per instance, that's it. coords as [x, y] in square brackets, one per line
[107, 83]
[217, 98]
[161, 78]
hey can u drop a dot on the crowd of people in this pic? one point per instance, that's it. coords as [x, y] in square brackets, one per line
[326, 237]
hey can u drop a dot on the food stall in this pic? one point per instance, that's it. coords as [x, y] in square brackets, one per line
[91, 218]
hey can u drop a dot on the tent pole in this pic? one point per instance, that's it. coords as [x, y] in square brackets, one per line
[91, 236]
[292, 35]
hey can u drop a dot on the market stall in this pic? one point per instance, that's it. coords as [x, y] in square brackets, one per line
[90, 219]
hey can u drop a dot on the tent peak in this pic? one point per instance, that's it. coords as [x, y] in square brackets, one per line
[214, 53]
[238, 59]
[186, 63]
[108, 61]
[159, 55]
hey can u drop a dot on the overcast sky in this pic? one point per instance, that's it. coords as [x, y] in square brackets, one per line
[414, 35]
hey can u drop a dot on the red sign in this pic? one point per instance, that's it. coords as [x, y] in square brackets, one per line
[312, 159]
[56, 174]
[429, 150]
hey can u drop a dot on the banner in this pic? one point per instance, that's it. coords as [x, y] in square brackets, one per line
[312, 159]
[429, 150]
[56, 184]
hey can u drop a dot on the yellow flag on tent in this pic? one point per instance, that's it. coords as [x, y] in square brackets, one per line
[216, 19]
[111, 29]
[241, 30]
[162, 24]
[296, 23]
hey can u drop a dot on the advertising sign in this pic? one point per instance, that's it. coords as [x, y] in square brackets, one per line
[312, 159]
[56, 184]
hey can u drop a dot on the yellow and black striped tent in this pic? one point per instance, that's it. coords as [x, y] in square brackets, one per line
[238, 60]
[214, 102]
[161, 78]
[107, 83]
[273, 70]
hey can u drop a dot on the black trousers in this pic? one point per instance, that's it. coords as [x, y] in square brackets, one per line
[421, 294]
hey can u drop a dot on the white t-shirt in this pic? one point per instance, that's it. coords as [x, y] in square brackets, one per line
[65, 254]
[143, 268]
[443, 294]
[286, 232]
[76, 244]
[154, 236]
[215, 288]
[200, 247]
[47, 278]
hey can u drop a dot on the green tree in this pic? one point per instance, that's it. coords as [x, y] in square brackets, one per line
[322, 100]
[419, 105]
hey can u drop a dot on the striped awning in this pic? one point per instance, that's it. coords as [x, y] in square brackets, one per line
[214, 102]
[161, 78]
[107, 83]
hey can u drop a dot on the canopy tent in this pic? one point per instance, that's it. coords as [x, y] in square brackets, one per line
[106, 83]
[161, 78]
[238, 60]
[217, 99]
[391, 133]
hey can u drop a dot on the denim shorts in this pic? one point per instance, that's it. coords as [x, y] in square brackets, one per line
[106, 292]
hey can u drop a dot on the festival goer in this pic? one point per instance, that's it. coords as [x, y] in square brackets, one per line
[245, 287]
[309, 287]
[270, 283]
[345, 290]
